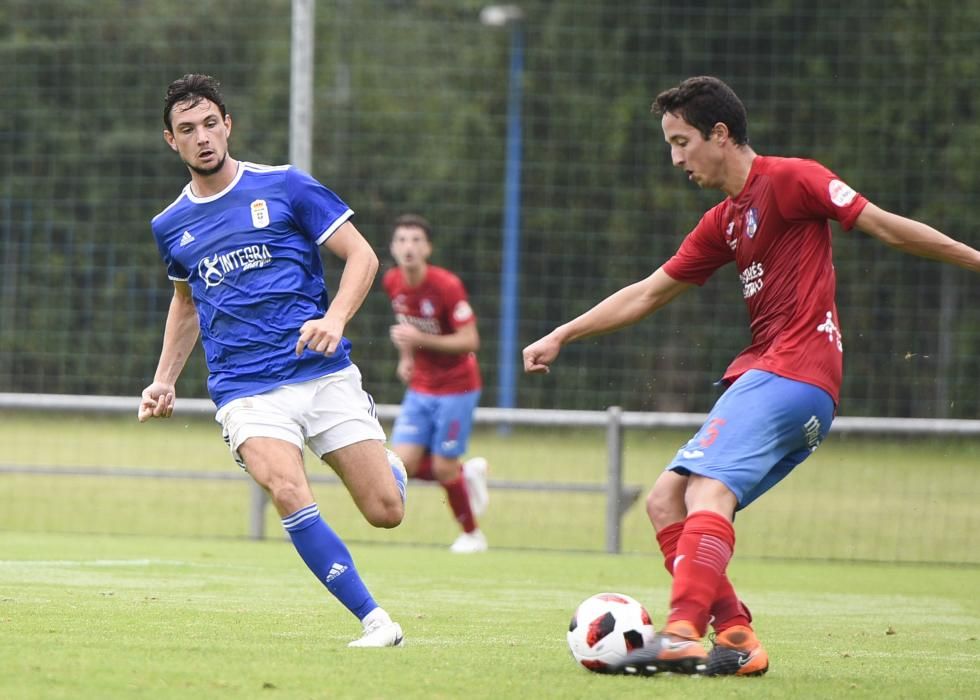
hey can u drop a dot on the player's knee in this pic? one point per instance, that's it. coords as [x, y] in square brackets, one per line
[446, 470]
[412, 465]
[288, 494]
[386, 512]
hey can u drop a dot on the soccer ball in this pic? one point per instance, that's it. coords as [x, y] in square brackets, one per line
[607, 627]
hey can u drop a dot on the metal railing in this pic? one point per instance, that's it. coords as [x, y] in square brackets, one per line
[618, 497]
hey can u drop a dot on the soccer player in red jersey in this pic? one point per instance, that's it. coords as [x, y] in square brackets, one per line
[781, 391]
[437, 339]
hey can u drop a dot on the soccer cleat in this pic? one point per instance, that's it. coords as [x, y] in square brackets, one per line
[737, 652]
[380, 632]
[469, 543]
[676, 648]
[401, 475]
[475, 474]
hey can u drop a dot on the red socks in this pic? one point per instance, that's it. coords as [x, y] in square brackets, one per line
[726, 610]
[667, 539]
[459, 497]
[424, 471]
[704, 547]
[459, 501]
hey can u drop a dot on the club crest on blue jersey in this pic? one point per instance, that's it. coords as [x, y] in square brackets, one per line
[260, 213]
[751, 222]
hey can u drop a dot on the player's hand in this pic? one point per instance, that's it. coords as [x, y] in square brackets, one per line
[405, 367]
[405, 336]
[321, 335]
[157, 401]
[540, 354]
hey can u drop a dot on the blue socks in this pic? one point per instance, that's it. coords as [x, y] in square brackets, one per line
[329, 559]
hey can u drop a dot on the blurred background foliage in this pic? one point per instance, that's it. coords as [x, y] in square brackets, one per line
[410, 111]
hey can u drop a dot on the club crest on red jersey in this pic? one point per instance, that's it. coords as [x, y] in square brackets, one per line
[751, 222]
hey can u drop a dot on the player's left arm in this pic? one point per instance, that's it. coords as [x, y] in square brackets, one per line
[323, 335]
[916, 238]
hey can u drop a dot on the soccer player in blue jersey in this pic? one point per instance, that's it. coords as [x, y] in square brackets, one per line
[241, 244]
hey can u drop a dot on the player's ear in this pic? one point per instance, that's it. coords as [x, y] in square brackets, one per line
[228, 123]
[720, 132]
[169, 138]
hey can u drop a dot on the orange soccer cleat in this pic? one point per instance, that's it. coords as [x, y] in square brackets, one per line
[737, 652]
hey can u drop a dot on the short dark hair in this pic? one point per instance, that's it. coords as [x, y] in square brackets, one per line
[415, 221]
[192, 88]
[702, 102]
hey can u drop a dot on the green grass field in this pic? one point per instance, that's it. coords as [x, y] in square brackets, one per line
[117, 587]
[126, 617]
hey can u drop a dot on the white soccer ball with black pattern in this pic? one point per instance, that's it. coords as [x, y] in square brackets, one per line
[605, 628]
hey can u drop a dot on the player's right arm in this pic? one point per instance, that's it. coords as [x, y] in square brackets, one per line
[623, 308]
[179, 337]
[406, 365]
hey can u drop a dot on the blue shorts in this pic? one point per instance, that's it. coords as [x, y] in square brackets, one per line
[442, 423]
[757, 432]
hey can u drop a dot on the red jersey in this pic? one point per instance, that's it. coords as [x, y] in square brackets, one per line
[777, 232]
[438, 305]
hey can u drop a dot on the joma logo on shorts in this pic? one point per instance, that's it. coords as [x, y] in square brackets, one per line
[811, 432]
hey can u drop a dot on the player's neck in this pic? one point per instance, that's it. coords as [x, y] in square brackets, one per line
[210, 185]
[737, 171]
[414, 276]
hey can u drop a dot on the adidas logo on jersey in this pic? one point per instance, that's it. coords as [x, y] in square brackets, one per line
[335, 571]
[186, 238]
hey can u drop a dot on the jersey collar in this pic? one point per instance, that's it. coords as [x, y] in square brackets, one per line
[204, 200]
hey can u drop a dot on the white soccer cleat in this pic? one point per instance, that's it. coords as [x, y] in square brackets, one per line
[475, 473]
[469, 543]
[379, 631]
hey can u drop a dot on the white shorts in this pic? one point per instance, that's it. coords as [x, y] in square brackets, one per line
[325, 413]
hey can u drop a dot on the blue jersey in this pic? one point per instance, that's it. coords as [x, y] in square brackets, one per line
[251, 257]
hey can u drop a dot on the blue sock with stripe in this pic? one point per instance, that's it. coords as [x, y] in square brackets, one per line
[329, 559]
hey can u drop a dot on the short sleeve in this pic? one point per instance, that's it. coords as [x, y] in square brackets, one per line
[317, 210]
[702, 252]
[175, 271]
[457, 302]
[805, 189]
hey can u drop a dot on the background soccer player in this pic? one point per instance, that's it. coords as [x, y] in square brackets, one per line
[437, 339]
[241, 247]
[782, 390]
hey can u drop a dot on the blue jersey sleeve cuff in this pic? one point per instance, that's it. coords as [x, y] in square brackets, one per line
[340, 221]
